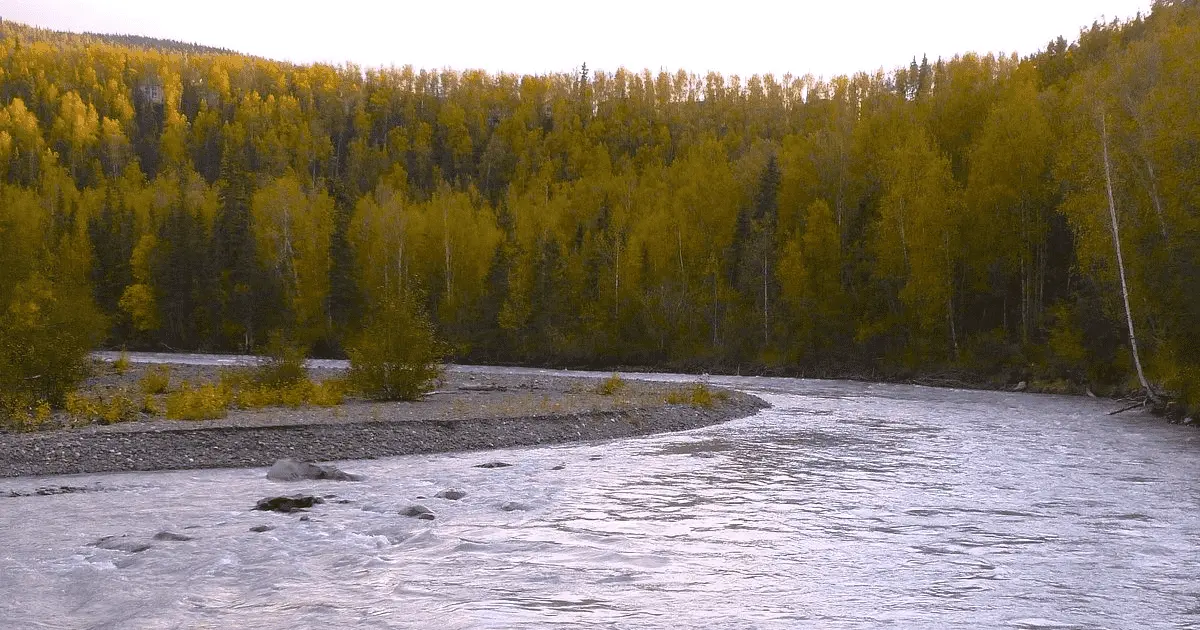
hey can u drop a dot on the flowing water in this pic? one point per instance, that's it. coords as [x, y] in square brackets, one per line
[844, 506]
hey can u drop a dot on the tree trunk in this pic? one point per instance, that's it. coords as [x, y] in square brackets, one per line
[1116, 233]
[446, 244]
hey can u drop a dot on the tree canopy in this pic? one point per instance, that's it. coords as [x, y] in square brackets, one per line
[948, 215]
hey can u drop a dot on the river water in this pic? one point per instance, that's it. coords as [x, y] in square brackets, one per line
[845, 505]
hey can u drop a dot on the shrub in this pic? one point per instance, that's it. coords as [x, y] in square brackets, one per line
[46, 332]
[236, 379]
[611, 385]
[156, 380]
[396, 356]
[256, 397]
[259, 396]
[698, 395]
[329, 393]
[283, 364]
[121, 365]
[150, 406]
[119, 407]
[206, 402]
[23, 412]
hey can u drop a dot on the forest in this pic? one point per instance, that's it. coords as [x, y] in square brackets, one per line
[952, 220]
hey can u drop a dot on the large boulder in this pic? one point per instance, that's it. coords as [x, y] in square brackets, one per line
[293, 503]
[292, 470]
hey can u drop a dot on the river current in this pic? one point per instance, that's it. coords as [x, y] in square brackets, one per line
[845, 505]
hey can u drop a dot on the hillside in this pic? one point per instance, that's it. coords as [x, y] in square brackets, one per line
[30, 34]
[952, 219]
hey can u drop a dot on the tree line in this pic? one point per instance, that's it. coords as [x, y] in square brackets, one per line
[949, 218]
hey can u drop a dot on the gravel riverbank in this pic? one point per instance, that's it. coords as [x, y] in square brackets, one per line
[466, 412]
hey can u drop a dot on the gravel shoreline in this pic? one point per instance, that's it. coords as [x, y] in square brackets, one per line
[466, 413]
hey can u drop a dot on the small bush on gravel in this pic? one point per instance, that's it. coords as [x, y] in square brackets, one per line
[396, 356]
[206, 402]
[329, 393]
[122, 364]
[283, 364]
[156, 380]
[47, 329]
[117, 407]
[23, 412]
[698, 395]
[259, 396]
[610, 385]
[234, 379]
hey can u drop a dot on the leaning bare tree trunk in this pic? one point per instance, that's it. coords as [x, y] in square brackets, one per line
[1116, 233]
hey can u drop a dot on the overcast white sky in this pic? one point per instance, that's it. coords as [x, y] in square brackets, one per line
[535, 36]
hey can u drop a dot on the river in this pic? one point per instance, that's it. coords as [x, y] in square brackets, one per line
[845, 505]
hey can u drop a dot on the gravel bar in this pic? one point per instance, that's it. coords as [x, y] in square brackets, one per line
[464, 414]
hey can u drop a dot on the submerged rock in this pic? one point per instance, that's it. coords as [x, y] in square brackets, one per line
[451, 494]
[287, 504]
[493, 465]
[514, 506]
[292, 470]
[50, 491]
[258, 529]
[172, 536]
[419, 512]
[122, 543]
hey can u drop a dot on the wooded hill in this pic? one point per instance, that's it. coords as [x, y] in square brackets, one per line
[948, 218]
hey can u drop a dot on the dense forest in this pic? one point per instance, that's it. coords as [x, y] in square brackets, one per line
[952, 219]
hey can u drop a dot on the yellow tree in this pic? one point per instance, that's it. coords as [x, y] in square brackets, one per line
[379, 234]
[292, 229]
[1008, 198]
[916, 237]
[809, 276]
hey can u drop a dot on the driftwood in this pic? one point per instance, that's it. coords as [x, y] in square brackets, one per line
[1158, 404]
[1140, 403]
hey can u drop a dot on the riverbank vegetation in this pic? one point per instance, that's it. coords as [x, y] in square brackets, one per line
[953, 219]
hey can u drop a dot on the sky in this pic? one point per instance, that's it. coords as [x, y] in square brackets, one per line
[741, 37]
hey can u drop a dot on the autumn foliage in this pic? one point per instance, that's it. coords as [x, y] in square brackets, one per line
[945, 218]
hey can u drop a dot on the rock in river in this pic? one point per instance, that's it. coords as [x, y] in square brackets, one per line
[122, 543]
[172, 536]
[418, 511]
[292, 470]
[494, 465]
[287, 504]
[451, 494]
